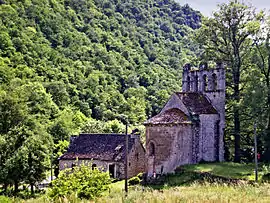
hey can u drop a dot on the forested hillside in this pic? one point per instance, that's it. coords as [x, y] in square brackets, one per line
[65, 62]
[104, 58]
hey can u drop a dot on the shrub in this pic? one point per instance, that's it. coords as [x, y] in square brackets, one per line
[84, 181]
[135, 180]
[4, 199]
[266, 173]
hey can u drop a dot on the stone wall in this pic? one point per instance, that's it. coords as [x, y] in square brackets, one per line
[173, 147]
[102, 165]
[193, 81]
[136, 162]
[218, 101]
[136, 158]
[207, 137]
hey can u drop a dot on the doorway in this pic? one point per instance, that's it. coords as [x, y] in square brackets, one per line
[112, 170]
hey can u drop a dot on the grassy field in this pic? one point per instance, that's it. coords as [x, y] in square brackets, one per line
[226, 169]
[186, 186]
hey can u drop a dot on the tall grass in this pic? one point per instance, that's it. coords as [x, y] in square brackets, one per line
[184, 187]
[196, 192]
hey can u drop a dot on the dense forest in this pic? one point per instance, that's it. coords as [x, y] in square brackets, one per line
[83, 65]
[74, 66]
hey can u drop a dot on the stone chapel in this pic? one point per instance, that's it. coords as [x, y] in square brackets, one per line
[190, 127]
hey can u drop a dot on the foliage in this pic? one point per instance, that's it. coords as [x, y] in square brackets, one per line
[227, 36]
[25, 143]
[86, 182]
[69, 65]
[178, 190]
[102, 57]
[136, 179]
[4, 199]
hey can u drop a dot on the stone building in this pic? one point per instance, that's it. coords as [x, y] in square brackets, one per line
[190, 127]
[106, 152]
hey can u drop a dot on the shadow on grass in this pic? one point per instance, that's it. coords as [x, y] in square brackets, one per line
[187, 178]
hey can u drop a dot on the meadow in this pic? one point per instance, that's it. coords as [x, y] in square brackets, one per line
[211, 182]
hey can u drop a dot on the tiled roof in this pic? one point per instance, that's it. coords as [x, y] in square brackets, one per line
[106, 147]
[196, 103]
[173, 115]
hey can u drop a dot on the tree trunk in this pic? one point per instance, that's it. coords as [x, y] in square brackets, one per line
[16, 187]
[237, 152]
[267, 130]
[32, 189]
[236, 116]
[5, 187]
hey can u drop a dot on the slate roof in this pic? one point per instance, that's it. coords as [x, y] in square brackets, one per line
[105, 147]
[196, 103]
[169, 116]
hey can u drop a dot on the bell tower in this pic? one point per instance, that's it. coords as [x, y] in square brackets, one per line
[211, 83]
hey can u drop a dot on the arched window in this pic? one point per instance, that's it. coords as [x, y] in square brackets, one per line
[196, 83]
[94, 166]
[214, 82]
[73, 165]
[151, 149]
[205, 82]
[188, 84]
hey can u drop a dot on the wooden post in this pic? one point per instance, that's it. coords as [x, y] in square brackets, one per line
[126, 161]
[255, 152]
[51, 168]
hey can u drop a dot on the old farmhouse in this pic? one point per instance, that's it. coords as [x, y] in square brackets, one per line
[190, 127]
[106, 152]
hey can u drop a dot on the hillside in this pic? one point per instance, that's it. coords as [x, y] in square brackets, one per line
[73, 65]
[102, 58]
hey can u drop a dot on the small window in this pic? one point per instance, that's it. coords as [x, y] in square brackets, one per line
[73, 165]
[94, 166]
[151, 149]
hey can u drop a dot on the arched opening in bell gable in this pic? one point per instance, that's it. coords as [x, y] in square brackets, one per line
[205, 83]
[214, 82]
[196, 83]
[188, 84]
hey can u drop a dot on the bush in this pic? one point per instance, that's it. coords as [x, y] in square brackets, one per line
[135, 180]
[84, 181]
[266, 173]
[266, 177]
[4, 199]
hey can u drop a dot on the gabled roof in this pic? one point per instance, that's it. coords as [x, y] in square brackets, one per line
[105, 147]
[183, 109]
[196, 103]
[170, 116]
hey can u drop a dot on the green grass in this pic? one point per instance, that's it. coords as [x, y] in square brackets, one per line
[195, 193]
[226, 169]
[187, 186]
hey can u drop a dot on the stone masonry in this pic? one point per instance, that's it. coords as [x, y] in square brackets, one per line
[106, 152]
[190, 127]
